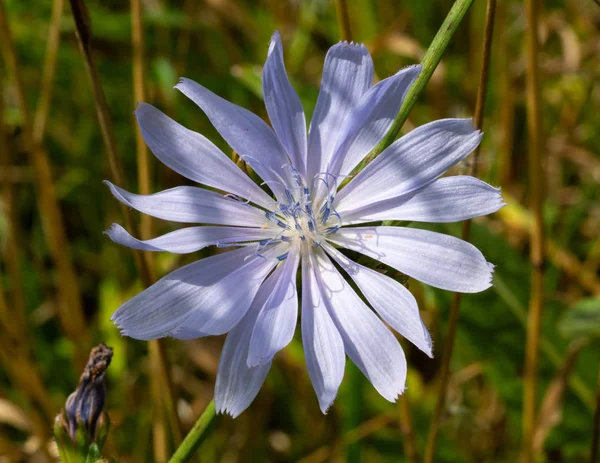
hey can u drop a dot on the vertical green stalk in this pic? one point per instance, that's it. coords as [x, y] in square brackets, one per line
[432, 58]
[536, 187]
[196, 436]
[466, 233]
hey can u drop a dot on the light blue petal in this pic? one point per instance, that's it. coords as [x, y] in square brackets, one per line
[210, 295]
[411, 162]
[392, 301]
[367, 341]
[323, 344]
[194, 156]
[189, 204]
[276, 323]
[221, 308]
[237, 384]
[347, 75]
[245, 132]
[448, 199]
[370, 120]
[283, 105]
[190, 239]
[435, 259]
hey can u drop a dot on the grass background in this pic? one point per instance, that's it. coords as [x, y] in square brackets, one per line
[222, 45]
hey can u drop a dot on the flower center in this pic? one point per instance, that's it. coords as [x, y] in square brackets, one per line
[298, 220]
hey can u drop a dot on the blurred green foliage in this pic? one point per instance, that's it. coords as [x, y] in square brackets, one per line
[222, 45]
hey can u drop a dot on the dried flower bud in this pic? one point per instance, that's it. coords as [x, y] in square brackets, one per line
[84, 406]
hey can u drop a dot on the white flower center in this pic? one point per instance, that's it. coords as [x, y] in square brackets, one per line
[297, 221]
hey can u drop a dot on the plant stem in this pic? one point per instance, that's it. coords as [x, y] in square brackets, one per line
[341, 7]
[355, 410]
[536, 175]
[408, 430]
[137, 45]
[196, 436]
[466, 233]
[43, 107]
[432, 58]
[13, 237]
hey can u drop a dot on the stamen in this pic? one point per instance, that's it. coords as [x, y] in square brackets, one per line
[295, 215]
[296, 174]
[273, 218]
[309, 210]
[332, 230]
[289, 196]
[326, 211]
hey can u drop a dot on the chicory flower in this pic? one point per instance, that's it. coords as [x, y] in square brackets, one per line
[250, 292]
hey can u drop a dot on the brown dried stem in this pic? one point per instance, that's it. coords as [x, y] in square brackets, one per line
[408, 430]
[143, 169]
[344, 19]
[12, 239]
[53, 41]
[24, 376]
[536, 175]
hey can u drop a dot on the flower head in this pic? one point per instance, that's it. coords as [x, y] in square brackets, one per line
[250, 292]
[84, 407]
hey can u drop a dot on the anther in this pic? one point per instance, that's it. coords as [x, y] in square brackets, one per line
[326, 213]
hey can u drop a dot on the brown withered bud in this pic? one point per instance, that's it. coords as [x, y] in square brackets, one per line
[84, 406]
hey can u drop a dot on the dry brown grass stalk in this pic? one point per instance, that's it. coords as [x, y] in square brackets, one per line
[536, 192]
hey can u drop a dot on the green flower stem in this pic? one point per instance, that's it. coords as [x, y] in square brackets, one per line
[196, 436]
[432, 58]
